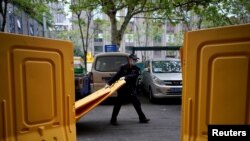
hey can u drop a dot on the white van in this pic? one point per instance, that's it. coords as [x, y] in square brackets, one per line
[105, 65]
[162, 78]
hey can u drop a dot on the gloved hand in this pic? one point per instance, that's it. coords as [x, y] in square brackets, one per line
[123, 78]
[106, 86]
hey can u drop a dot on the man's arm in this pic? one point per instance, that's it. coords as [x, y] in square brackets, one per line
[115, 77]
[134, 75]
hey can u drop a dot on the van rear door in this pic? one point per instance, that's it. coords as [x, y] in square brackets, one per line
[104, 67]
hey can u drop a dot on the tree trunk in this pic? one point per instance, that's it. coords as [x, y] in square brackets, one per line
[117, 34]
[89, 16]
[139, 42]
[3, 11]
[147, 36]
[82, 38]
[114, 31]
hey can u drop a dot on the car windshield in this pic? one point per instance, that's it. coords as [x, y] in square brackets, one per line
[166, 66]
[110, 63]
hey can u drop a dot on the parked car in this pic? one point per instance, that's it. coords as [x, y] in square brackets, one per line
[140, 65]
[104, 66]
[82, 87]
[162, 78]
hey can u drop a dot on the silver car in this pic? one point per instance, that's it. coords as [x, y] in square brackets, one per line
[162, 78]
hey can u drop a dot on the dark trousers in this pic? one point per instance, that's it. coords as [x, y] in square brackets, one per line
[121, 98]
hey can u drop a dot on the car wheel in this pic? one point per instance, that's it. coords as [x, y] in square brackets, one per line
[151, 97]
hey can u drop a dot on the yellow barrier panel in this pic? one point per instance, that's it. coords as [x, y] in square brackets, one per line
[216, 80]
[36, 89]
[83, 106]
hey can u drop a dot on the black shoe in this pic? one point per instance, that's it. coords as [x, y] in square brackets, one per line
[146, 120]
[113, 123]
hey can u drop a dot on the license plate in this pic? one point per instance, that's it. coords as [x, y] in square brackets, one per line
[175, 90]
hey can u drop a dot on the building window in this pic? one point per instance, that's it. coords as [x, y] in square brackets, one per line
[37, 31]
[98, 37]
[11, 23]
[98, 49]
[170, 38]
[31, 29]
[19, 26]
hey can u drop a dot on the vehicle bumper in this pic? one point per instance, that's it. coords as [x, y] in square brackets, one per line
[81, 86]
[164, 91]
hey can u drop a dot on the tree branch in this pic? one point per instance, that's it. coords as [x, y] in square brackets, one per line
[190, 3]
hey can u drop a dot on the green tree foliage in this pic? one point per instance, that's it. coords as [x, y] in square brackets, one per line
[212, 13]
[127, 9]
[34, 8]
[74, 37]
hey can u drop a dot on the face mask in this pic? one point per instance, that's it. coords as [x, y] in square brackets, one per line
[132, 62]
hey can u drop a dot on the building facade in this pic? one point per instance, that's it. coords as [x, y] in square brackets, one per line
[19, 22]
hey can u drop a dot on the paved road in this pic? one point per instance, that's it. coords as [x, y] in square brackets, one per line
[164, 125]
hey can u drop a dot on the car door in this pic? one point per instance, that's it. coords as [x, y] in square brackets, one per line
[146, 76]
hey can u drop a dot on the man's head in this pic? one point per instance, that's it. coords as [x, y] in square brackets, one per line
[132, 59]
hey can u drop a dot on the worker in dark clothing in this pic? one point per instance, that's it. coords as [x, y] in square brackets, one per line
[129, 72]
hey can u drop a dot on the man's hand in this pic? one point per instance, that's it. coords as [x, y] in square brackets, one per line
[106, 86]
[122, 78]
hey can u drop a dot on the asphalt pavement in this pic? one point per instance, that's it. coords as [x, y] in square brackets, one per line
[164, 125]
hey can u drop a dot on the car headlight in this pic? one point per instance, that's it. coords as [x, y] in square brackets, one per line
[157, 80]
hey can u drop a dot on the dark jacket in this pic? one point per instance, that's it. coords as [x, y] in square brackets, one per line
[130, 74]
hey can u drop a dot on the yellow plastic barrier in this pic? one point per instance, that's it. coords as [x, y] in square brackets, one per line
[83, 106]
[216, 80]
[37, 90]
